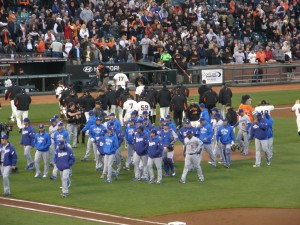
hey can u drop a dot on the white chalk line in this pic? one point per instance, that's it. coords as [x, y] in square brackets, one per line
[61, 214]
[280, 108]
[82, 210]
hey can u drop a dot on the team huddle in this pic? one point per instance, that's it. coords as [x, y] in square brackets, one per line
[147, 146]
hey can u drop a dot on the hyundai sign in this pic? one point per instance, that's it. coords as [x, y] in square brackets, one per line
[213, 76]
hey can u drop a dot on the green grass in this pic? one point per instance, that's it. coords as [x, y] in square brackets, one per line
[12, 216]
[240, 186]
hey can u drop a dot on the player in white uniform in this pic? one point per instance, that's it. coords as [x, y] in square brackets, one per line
[128, 108]
[264, 107]
[139, 89]
[193, 147]
[296, 109]
[244, 124]
[120, 80]
[142, 106]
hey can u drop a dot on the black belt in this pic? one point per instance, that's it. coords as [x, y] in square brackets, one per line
[198, 153]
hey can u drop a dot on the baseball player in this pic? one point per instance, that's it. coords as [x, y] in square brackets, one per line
[140, 143]
[206, 133]
[193, 148]
[246, 106]
[91, 121]
[52, 129]
[216, 150]
[225, 137]
[60, 134]
[160, 127]
[27, 140]
[8, 161]
[115, 121]
[296, 109]
[128, 108]
[169, 121]
[129, 137]
[42, 142]
[64, 159]
[142, 106]
[168, 137]
[259, 131]
[110, 147]
[155, 151]
[147, 125]
[120, 80]
[270, 123]
[95, 132]
[183, 131]
[204, 113]
[243, 124]
[264, 107]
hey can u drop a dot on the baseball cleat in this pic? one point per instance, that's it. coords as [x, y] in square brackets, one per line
[227, 166]
[221, 162]
[268, 163]
[152, 181]
[144, 179]
[158, 182]
[210, 162]
[44, 176]
[182, 181]
[102, 176]
[136, 179]
[108, 181]
[64, 195]
[37, 175]
[84, 159]
[53, 177]
[201, 179]
[256, 165]
[30, 166]
[5, 194]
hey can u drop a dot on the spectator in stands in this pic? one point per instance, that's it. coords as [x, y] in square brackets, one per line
[268, 53]
[261, 55]
[76, 54]
[57, 49]
[278, 53]
[239, 56]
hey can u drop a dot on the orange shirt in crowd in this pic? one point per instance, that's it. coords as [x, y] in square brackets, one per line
[262, 56]
[40, 48]
[248, 110]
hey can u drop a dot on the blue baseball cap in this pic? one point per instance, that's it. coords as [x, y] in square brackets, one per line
[52, 120]
[170, 147]
[110, 124]
[187, 121]
[131, 120]
[240, 111]
[4, 136]
[61, 142]
[167, 117]
[103, 132]
[145, 112]
[217, 115]
[145, 119]
[55, 116]
[133, 113]
[91, 112]
[225, 119]
[110, 128]
[99, 118]
[202, 119]
[140, 127]
[139, 120]
[189, 132]
[161, 120]
[60, 124]
[215, 109]
[166, 124]
[202, 105]
[42, 126]
[154, 131]
[27, 120]
[258, 115]
[112, 114]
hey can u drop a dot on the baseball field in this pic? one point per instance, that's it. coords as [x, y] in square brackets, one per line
[239, 195]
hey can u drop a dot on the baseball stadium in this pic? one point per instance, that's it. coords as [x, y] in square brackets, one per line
[149, 112]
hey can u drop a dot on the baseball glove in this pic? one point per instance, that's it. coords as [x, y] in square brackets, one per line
[15, 170]
[235, 147]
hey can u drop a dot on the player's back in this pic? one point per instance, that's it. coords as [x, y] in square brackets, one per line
[264, 108]
[296, 109]
[142, 106]
[129, 106]
[248, 110]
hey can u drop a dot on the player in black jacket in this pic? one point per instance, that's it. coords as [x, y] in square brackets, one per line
[210, 99]
[225, 96]
[201, 90]
[164, 99]
[231, 115]
[193, 112]
[22, 102]
[87, 102]
[10, 94]
[111, 99]
[178, 105]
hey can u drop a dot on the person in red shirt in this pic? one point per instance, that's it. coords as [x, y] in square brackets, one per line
[269, 54]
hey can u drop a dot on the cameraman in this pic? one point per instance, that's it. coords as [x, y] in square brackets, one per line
[73, 117]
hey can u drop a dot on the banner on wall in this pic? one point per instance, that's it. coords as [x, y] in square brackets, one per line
[86, 71]
[213, 76]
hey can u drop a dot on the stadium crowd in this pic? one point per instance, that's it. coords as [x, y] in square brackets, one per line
[187, 34]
